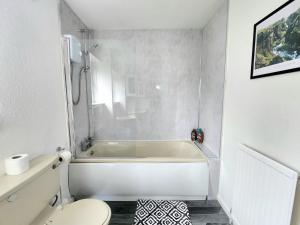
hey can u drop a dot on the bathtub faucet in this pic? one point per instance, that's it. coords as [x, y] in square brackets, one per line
[86, 143]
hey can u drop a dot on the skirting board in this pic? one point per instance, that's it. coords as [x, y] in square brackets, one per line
[225, 207]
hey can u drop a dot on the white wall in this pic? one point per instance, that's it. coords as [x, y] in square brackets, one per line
[32, 97]
[262, 113]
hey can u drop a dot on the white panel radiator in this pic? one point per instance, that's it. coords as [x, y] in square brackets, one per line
[264, 190]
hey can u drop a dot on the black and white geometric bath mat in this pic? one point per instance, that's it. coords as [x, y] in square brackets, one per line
[158, 212]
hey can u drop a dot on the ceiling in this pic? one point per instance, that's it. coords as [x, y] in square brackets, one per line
[145, 14]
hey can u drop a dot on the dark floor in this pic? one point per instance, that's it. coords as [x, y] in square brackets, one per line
[201, 212]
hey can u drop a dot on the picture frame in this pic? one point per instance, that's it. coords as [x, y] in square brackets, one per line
[276, 44]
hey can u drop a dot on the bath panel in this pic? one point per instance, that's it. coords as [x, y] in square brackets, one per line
[131, 181]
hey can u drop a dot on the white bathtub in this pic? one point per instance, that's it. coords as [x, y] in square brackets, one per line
[130, 170]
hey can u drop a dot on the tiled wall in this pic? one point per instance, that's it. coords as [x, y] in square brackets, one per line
[152, 84]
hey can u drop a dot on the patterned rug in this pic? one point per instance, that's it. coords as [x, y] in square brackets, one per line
[154, 212]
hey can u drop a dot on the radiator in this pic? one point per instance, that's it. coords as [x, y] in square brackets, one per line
[264, 190]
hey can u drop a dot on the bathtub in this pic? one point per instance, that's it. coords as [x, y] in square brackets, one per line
[129, 170]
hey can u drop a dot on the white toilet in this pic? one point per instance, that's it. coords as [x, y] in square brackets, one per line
[26, 199]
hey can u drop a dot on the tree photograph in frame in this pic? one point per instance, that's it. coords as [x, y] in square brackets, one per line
[276, 42]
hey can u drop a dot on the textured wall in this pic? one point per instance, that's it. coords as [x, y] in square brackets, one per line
[71, 24]
[32, 102]
[212, 79]
[163, 68]
[262, 113]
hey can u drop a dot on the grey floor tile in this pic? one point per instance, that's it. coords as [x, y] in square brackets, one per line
[217, 224]
[205, 210]
[122, 207]
[203, 203]
[201, 212]
[122, 219]
[212, 218]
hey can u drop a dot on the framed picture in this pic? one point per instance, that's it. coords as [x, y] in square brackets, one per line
[276, 42]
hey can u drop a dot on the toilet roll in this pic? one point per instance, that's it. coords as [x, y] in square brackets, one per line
[16, 164]
[65, 156]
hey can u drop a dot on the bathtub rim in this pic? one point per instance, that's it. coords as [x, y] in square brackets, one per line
[138, 160]
[203, 158]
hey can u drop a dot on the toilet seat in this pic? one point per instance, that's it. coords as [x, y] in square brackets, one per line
[87, 212]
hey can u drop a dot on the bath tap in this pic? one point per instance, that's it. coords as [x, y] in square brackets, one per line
[86, 143]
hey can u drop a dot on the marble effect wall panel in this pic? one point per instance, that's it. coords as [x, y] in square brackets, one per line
[155, 84]
[212, 79]
[72, 24]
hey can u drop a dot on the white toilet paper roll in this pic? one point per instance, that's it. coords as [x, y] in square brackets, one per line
[16, 164]
[65, 156]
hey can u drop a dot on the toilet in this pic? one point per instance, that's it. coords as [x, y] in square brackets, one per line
[29, 199]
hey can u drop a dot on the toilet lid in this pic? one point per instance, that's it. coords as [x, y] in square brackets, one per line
[87, 212]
